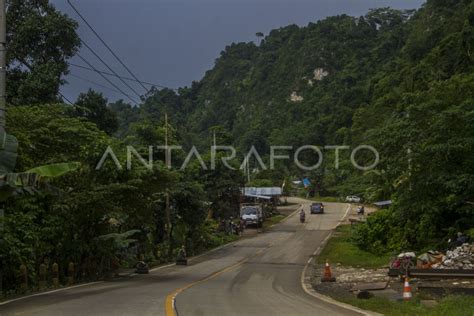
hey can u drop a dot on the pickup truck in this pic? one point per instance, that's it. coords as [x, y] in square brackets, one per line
[252, 214]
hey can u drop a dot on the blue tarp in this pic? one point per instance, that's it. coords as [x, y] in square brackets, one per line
[306, 182]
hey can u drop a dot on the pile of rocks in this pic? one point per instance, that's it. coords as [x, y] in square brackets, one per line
[461, 257]
[357, 275]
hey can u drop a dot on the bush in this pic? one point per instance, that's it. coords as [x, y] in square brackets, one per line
[373, 235]
[470, 233]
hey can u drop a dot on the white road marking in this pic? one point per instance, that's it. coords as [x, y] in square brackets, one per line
[310, 291]
[49, 292]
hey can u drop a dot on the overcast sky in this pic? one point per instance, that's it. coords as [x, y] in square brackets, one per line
[173, 42]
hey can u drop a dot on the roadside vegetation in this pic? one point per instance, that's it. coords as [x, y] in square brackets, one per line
[400, 81]
[275, 219]
[448, 306]
[341, 249]
[328, 199]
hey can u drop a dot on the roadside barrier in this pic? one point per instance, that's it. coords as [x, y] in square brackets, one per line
[23, 278]
[407, 290]
[55, 275]
[327, 277]
[42, 277]
[70, 273]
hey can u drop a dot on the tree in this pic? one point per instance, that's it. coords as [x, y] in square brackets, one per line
[222, 186]
[93, 106]
[127, 114]
[40, 40]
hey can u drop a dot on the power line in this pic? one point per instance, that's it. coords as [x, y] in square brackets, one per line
[64, 97]
[93, 82]
[106, 79]
[108, 67]
[126, 78]
[24, 63]
[105, 44]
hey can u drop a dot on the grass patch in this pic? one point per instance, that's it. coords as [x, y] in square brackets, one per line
[273, 220]
[341, 249]
[288, 204]
[450, 305]
[329, 199]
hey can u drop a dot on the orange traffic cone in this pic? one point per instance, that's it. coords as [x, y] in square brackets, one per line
[407, 290]
[327, 277]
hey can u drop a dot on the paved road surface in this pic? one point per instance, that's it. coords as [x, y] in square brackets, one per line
[254, 276]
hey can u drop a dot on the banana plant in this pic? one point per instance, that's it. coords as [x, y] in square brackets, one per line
[119, 241]
[8, 152]
[27, 182]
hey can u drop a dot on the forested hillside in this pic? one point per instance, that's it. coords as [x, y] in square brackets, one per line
[400, 81]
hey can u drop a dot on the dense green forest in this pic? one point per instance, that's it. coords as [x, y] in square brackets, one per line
[400, 81]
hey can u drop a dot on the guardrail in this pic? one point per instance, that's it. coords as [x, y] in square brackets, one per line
[434, 273]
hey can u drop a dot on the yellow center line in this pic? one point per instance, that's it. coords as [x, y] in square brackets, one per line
[170, 299]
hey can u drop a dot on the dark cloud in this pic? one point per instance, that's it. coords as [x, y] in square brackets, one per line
[175, 42]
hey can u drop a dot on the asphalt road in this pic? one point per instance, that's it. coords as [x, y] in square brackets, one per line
[254, 276]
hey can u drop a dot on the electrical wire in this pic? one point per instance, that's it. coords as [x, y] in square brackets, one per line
[110, 68]
[24, 63]
[93, 82]
[64, 97]
[126, 78]
[106, 79]
[105, 44]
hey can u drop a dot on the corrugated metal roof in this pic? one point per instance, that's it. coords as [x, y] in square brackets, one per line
[383, 203]
[265, 191]
[264, 197]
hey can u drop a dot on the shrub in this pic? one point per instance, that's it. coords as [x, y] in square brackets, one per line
[374, 234]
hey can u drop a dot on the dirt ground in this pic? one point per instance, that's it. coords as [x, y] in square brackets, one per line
[350, 281]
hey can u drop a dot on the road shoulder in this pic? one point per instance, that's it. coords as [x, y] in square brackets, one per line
[308, 273]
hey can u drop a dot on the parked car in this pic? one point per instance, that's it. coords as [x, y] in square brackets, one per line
[352, 199]
[317, 208]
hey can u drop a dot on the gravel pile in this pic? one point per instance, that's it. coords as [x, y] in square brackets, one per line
[461, 257]
[357, 275]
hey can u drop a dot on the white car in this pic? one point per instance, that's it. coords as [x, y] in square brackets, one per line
[352, 199]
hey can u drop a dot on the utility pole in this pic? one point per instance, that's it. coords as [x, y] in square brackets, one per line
[409, 155]
[3, 58]
[248, 170]
[167, 195]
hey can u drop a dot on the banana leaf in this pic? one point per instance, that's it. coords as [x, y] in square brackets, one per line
[28, 182]
[55, 170]
[8, 152]
[120, 240]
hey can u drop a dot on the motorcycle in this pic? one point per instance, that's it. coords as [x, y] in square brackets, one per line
[302, 217]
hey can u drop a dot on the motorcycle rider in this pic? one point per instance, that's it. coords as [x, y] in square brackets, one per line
[302, 215]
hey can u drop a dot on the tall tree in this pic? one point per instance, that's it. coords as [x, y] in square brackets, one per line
[40, 40]
[93, 106]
